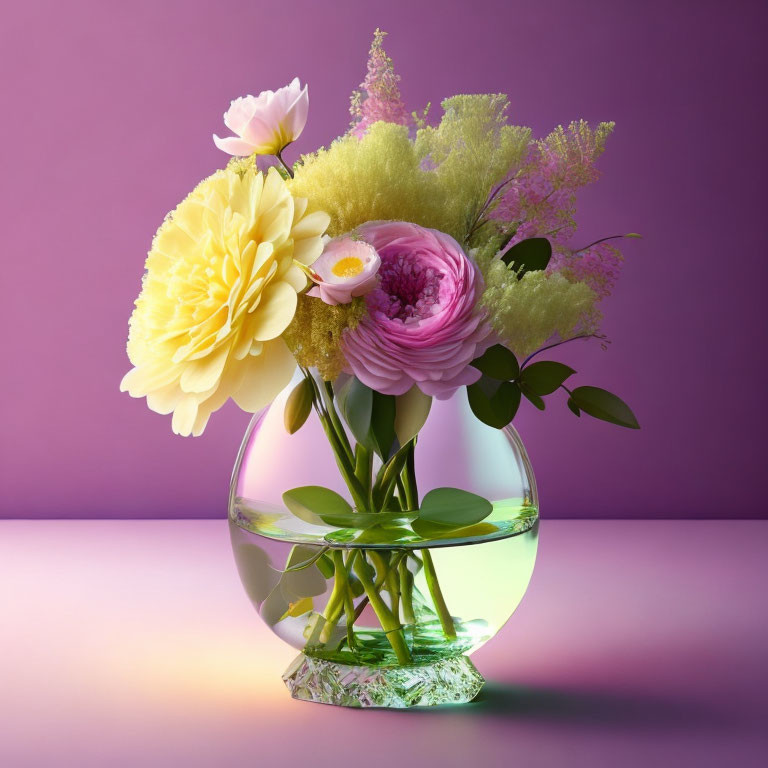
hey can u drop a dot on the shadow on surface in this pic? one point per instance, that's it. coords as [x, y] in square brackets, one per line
[592, 708]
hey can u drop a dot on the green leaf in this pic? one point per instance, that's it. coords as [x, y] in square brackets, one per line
[494, 403]
[301, 581]
[453, 507]
[544, 377]
[370, 416]
[573, 407]
[298, 406]
[532, 397]
[316, 505]
[427, 530]
[633, 235]
[528, 255]
[411, 411]
[603, 405]
[325, 566]
[380, 535]
[382, 432]
[498, 362]
[356, 402]
[388, 475]
[294, 564]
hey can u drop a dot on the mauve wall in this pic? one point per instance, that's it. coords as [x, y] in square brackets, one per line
[108, 113]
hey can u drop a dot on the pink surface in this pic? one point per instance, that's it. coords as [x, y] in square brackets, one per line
[132, 643]
[109, 109]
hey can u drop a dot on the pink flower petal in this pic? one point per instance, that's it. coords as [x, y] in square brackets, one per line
[233, 146]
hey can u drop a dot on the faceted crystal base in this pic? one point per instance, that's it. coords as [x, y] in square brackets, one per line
[452, 680]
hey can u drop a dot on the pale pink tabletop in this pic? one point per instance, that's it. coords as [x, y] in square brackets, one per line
[133, 644]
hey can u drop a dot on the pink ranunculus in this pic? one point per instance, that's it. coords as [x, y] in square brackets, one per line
[423, 325]
[267, 123]
[347, 267]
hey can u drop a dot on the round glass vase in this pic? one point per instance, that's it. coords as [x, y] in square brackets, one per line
[383, 616]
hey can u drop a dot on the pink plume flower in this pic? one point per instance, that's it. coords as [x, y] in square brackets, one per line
[598, 266]
[346, 268]
[423, 325]
[379, 96]
[267, 123]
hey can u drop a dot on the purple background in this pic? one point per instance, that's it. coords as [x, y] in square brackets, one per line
[109, 110]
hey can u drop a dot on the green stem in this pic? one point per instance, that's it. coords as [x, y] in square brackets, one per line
[347, 471]
[381, 568]
[337, 437]
[285, 165]
[335, 420]
[389, 623]
[393, 585]
[343, 582]
[401, 493]
[333, 608]
[363, 467]
[409, 478]
[446, 620]
[406, 591]
[341, 595]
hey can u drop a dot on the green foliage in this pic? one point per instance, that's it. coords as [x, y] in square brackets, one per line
[528, 255]
[411, 411]
[441, 180]
[449, 508]
[471, 150]
[316, 504]
[529, 311]
[375, 177]
[322, 506]
[498, 362]
[382, 432]
[370, 416]
[298, 406]
[314, 335]
[355, 401]
[494, 402]
[604, 405]
[533, 398]
[544, 377]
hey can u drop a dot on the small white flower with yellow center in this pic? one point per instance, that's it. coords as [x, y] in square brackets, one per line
[346, 268]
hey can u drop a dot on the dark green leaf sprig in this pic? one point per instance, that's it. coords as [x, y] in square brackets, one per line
[495, 397]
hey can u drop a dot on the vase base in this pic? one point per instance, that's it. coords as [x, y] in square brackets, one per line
[452, 680]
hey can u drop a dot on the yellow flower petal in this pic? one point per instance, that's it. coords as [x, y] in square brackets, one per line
[311, 225]
[265, 376]
[203, 374]
[220, 287]
[275, 311]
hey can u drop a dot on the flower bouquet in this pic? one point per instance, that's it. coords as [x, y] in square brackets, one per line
[380, 305]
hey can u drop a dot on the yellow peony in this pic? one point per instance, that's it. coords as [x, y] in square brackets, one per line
[219, 290]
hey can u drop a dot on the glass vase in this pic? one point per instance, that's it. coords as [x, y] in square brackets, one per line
[384, 616]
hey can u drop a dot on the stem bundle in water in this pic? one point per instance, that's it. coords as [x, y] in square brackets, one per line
[376, 570]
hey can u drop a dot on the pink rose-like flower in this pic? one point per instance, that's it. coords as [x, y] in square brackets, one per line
[267, 123]
[423, 325]
[346, 268]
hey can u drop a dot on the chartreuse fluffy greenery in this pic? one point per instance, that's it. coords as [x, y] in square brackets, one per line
[471, 150]
[441, 180]
[526, 312]
[444, 179]
[314, 336]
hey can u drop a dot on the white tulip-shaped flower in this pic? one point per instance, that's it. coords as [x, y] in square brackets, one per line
[267, 123]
